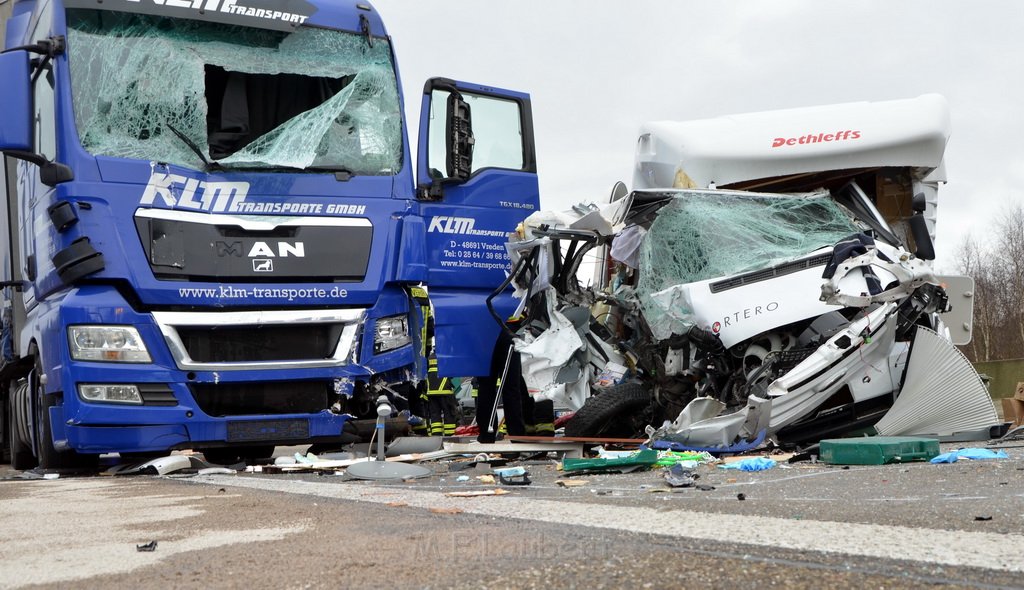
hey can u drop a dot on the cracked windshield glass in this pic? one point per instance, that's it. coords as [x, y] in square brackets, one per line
[211, 96]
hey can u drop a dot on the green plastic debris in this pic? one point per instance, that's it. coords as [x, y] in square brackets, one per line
[878, 450]
[643, 458]
[669, 458]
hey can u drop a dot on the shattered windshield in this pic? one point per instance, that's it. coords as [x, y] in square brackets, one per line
[207, 95]
[704, 235]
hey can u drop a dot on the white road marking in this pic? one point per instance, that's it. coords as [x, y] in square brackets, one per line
[955, 548]
[105, 529]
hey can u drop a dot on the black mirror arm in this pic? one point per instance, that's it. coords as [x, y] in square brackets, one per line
[50, 173]
[51, 47]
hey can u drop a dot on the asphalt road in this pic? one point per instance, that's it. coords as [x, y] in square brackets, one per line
[802, 526]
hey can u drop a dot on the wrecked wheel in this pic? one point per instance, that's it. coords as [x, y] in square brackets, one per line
[615, 412]
[20, 453]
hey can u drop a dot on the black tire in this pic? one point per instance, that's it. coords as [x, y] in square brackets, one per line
[232, 455]
[5, 443]
[20, 452]
[615, 412]
[49, 457]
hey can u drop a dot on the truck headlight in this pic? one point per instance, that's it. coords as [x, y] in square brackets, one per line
[119, 344]
[391, 333]
[110, 393]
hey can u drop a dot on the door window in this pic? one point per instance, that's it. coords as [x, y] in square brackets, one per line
[497, 132]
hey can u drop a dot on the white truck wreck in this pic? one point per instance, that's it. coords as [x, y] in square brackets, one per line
[768, 277]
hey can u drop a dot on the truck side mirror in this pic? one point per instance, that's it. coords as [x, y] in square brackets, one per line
[459, 139]
[15, 103]
[919, 203]
[924, 248]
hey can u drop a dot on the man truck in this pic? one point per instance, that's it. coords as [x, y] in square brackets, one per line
[213, 225]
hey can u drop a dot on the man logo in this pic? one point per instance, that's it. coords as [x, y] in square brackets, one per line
[262, 265]
[226, 249]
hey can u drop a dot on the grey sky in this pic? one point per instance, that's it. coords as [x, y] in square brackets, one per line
[597, 69]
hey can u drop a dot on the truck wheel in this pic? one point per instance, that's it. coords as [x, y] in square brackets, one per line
[21, 454]
[49, 457]
[614, 412]
[232, 455]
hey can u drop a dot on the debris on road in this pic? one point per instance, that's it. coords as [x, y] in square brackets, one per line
[437, 510]
[878, 450]
[750, 464]
[636, 460]
[568, 448]
[974, 454]
[151, 546]
[678, 476]
[478, 493]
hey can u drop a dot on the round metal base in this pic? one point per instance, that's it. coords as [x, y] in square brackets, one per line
[387, 470]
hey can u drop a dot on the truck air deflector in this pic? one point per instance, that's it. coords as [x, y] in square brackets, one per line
[281, 15]
[196, 246]
[191, 336]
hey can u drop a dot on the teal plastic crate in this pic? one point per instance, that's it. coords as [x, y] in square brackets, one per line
[878, 450]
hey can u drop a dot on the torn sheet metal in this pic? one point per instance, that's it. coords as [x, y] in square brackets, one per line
[699, 426]
[942, 394]
[860, 351]
[546, 357]
[890, 273]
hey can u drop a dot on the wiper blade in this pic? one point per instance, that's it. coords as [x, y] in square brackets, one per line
[195, 148]
[341, 173]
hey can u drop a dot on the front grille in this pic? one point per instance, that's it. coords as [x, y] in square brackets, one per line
[770, 273]
[260, 343]
[264, 398]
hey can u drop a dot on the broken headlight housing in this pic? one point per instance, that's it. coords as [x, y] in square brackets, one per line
[118, 344]
[390, 333]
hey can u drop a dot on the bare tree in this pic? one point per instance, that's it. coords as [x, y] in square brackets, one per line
[997, 268]
[970, 263]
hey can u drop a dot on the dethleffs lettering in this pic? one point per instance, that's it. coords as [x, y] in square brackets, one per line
[230, 7]
[845, 135]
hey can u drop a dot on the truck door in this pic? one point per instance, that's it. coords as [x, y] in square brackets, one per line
[477, 175]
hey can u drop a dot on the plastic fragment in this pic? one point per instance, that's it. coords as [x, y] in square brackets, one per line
[462, 478]
[571, 483]
[680, 477]
[477, 493]
[151, 546]
[975, 454]
[446, 510]
[751, 464]
[510, 471]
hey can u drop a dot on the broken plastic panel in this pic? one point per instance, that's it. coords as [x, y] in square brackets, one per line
[703, 235]
[146, 87]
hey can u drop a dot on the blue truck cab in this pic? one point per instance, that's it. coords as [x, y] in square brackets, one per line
[213, 224]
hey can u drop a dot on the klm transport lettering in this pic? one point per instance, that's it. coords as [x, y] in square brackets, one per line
[816, 138]
[230, 7]
[460, 225]
[180, 192]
